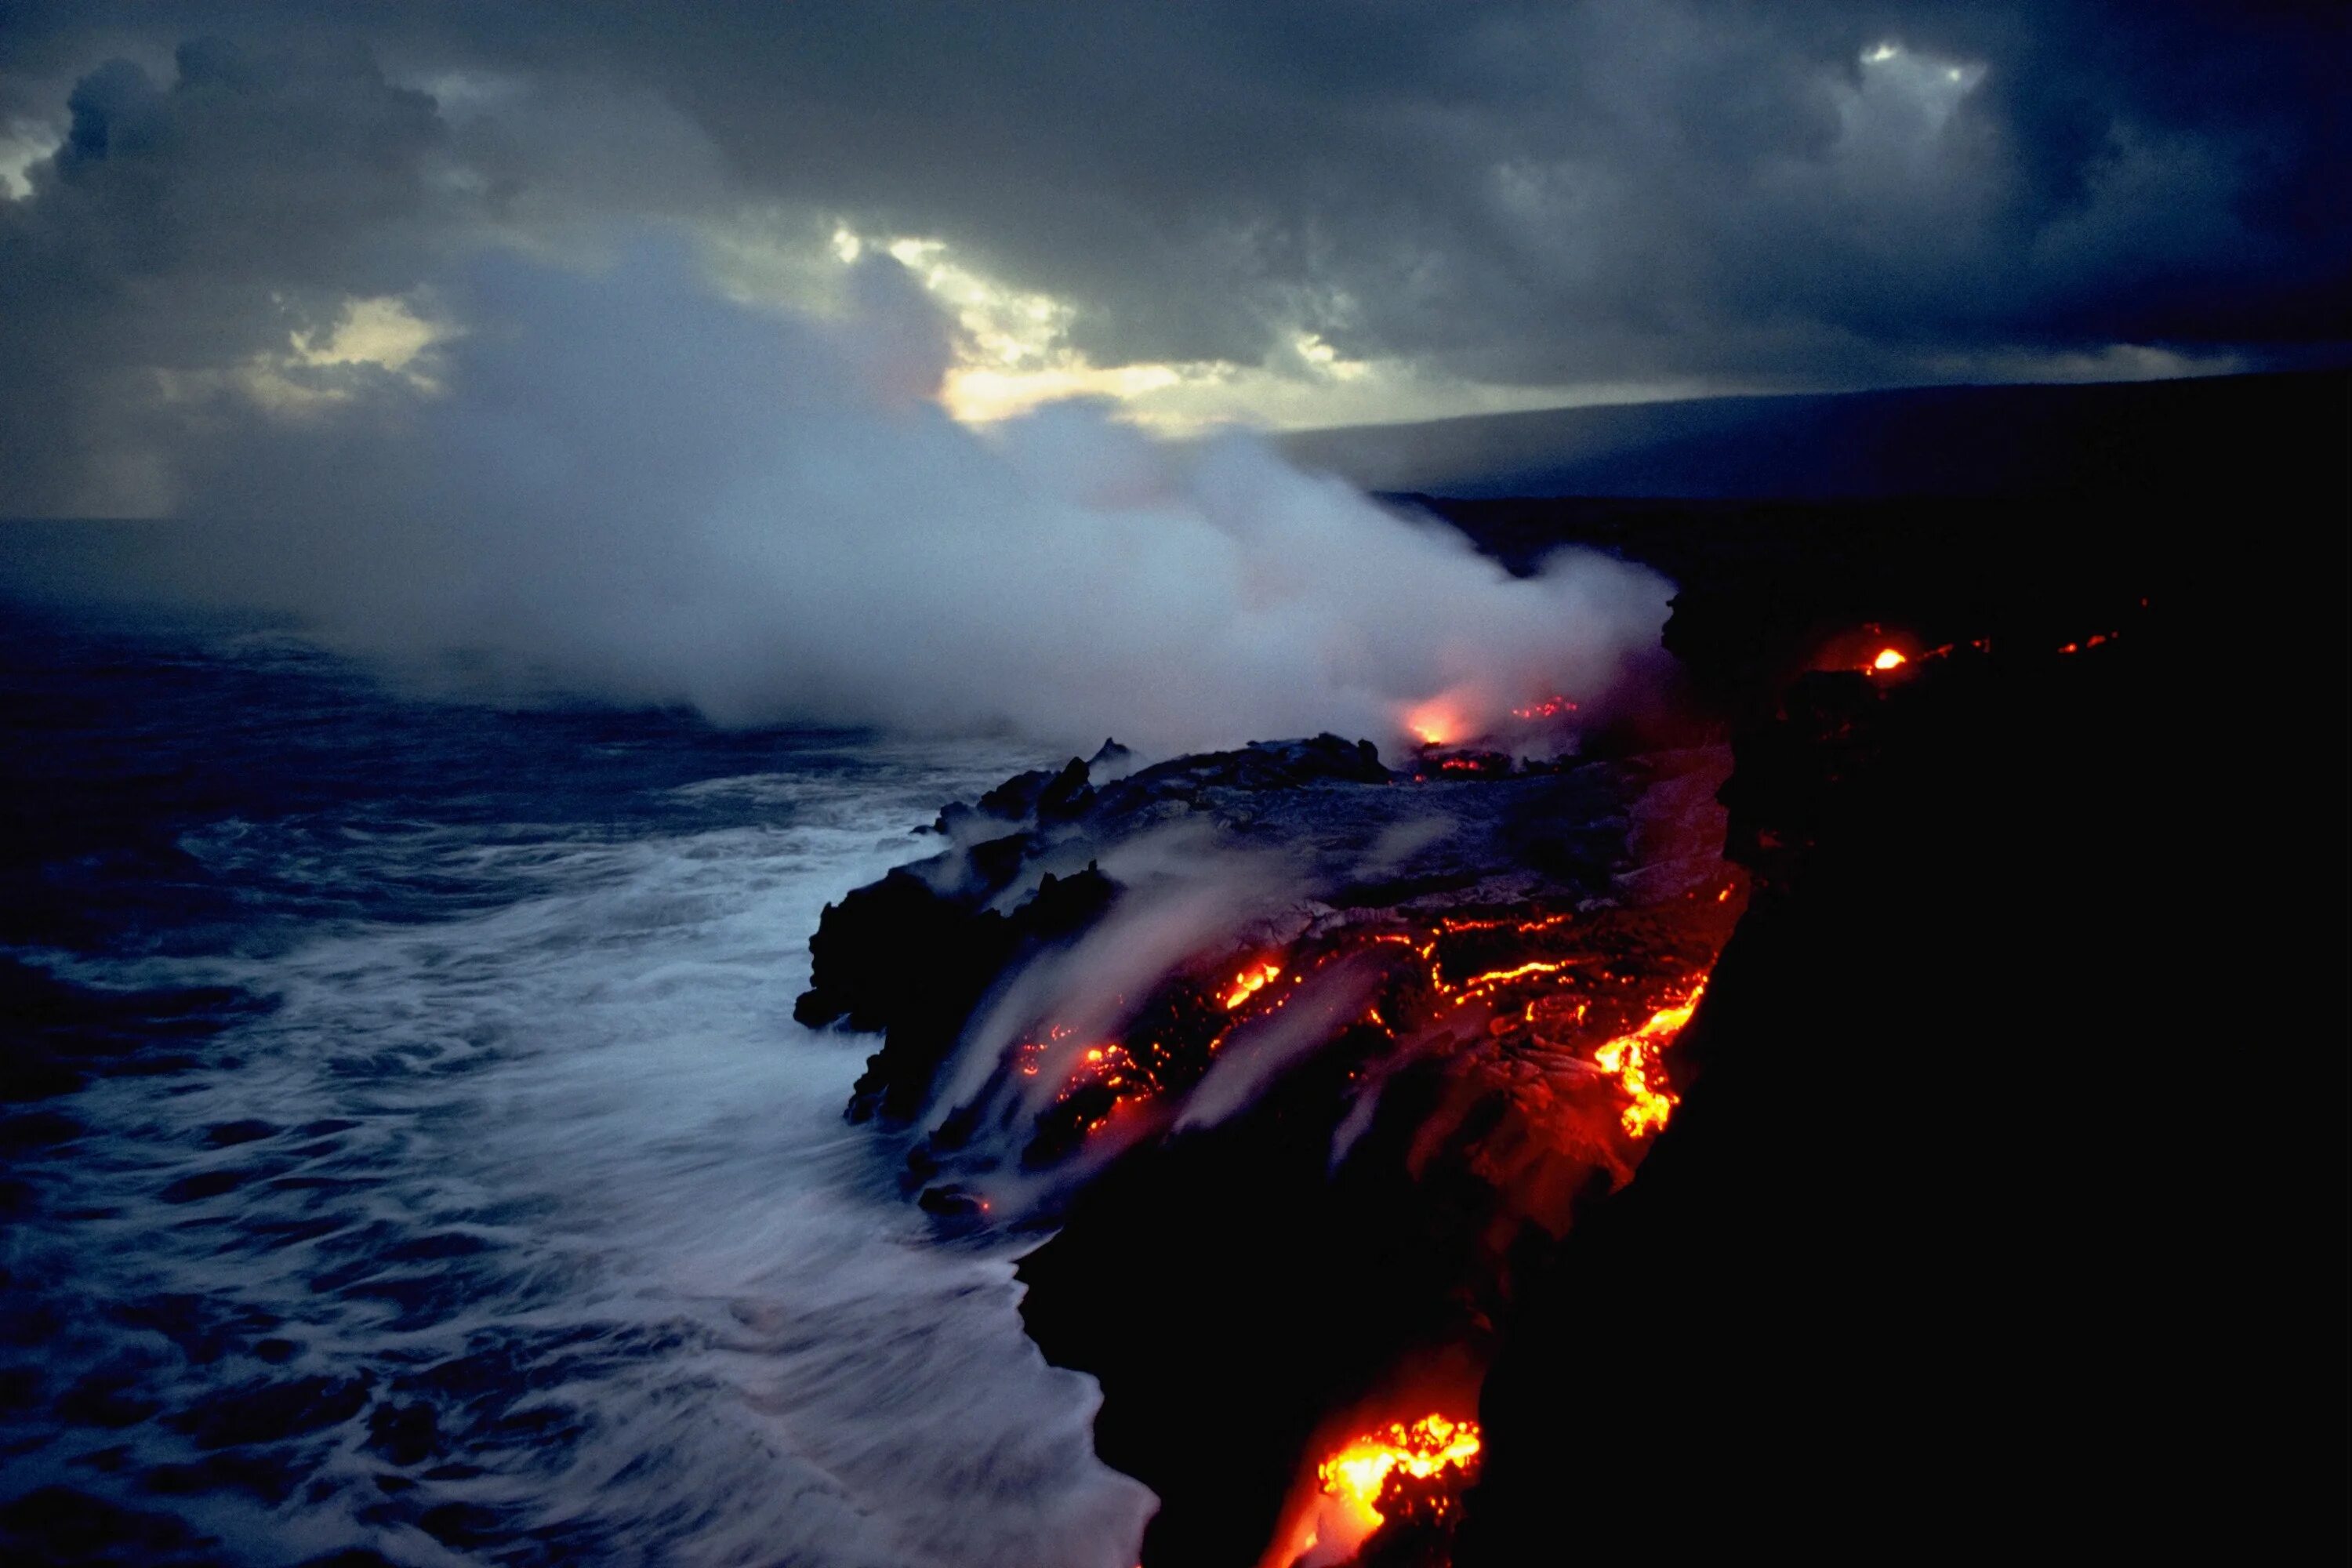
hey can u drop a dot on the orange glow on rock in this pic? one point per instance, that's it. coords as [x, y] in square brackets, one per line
[1632, 1060]
[1435, 722]
[1571, 1013]
[1493, 977]
[1250, 981]
[1355, 1477]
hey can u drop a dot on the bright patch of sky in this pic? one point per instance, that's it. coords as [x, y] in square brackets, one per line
[23, 143]
[321, 370]
[1013, 353]
[1904, 92]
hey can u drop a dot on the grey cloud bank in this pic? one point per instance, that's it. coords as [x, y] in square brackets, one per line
[1801, 196]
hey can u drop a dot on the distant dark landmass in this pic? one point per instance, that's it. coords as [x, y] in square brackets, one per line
[2135, 439]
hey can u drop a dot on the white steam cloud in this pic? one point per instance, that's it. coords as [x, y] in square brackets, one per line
[624, 485]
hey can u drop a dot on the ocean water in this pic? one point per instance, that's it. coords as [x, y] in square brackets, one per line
[447, 1179]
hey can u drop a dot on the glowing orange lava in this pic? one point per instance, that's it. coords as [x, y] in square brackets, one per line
[1888, 658]
[1480, 985]
[1633, 1060]
[1534, 978]
[1436, 723]
[1357, 1474]
[1250, 981]
[1549, 708]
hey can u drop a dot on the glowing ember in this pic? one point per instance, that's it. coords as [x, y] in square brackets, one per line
[1250, 981]
[1633, 1060]
[1479, 985]
[1358, 1473]
[1436, 723]
[1888, 658]
[1533, 988]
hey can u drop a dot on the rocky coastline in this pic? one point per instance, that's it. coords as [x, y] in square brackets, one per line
[1937, 1244]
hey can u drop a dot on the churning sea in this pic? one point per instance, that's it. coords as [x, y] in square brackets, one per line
[411, 1156]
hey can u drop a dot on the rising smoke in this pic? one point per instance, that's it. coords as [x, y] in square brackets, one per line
[624, 485]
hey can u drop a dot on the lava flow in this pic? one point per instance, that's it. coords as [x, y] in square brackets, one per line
[1250, 981]
[1574, 1010]
[1569, 1013]
[1434, 723]
[1404, 1476]
[1634, 1059]
[1467, 717]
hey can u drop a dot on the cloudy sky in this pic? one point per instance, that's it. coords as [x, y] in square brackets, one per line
[219, 216]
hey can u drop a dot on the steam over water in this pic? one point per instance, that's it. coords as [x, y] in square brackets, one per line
[447, 1175]
[625, 482]
[453, 1181]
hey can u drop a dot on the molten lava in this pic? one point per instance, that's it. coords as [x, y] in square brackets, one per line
[1250, 981]
[1434, 723]
[1878, 656]
[1634, 1059]
[1559, 999]
[1361, 1470]
[1369, 1478]
[1493, 977]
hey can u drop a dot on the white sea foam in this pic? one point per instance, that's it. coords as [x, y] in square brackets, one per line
[597, 1185]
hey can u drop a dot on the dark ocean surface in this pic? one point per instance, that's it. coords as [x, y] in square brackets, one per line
[410, 1150]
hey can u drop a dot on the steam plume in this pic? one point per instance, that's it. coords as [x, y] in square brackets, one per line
[627, 486]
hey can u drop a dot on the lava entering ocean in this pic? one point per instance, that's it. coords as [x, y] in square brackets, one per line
[1467, 716]
[1392, 1055]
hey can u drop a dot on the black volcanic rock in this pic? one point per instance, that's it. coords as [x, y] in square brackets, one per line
[915, 954]
[1237, 1284]
[1277, 1264]
[1022, 796]
[1939, 1255]
[1999, 1160]
[1111, 761]
[1979, 1195]
[1260, 765]
[899, 956]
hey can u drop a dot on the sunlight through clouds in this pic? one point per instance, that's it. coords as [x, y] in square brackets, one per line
[1013, 351]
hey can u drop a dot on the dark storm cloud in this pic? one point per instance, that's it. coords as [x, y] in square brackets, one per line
[1557, 190]
[184, 226]
[1530, 193]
